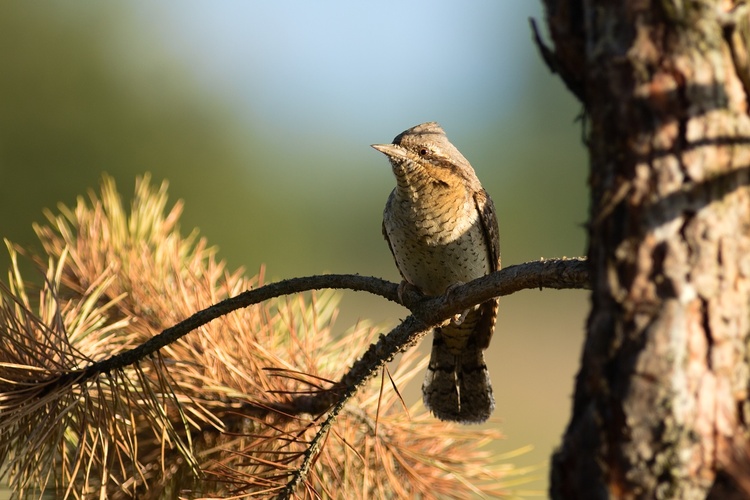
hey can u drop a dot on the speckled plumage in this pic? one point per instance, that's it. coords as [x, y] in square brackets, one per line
[441, 227]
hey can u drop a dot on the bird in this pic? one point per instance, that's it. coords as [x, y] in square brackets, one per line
[441, 227]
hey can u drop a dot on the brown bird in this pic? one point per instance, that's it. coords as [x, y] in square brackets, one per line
[441, 227]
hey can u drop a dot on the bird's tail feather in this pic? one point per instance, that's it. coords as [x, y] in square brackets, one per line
[457, 385]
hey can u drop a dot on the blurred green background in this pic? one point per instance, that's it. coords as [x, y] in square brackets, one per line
[260, 115]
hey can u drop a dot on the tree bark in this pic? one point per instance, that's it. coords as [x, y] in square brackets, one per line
[661, 400]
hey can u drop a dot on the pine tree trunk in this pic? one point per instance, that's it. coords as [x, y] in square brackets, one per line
[661, 400]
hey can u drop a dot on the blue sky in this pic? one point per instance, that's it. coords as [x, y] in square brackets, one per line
[362, 66]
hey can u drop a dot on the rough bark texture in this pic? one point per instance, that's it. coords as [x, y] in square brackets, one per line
[661, 400]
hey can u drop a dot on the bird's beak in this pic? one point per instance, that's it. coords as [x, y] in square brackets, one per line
[391, 150]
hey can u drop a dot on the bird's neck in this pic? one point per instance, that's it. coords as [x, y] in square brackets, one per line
[421, 191]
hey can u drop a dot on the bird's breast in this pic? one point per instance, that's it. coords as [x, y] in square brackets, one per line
[436, 241]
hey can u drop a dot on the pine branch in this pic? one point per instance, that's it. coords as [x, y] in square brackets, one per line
[555, 273]
[248, 400]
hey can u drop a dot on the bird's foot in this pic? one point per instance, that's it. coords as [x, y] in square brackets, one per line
[458, 318]
[404, 290]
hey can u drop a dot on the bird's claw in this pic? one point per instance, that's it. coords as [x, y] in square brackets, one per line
[405, 288]
[457, 318]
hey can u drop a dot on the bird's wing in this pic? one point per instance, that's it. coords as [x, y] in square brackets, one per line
[388, 240]
[488, 220]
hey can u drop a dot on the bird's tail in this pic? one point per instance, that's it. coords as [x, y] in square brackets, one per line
[457, 384]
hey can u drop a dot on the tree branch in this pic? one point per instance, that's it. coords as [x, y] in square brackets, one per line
[427, 312]
[431, 311]
[405, 335]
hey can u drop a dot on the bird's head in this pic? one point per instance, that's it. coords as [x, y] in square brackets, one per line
[424, 153]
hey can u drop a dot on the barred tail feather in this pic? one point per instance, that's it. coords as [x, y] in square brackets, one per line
[457, 386]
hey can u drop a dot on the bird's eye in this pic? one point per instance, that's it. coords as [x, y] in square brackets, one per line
[423, 152]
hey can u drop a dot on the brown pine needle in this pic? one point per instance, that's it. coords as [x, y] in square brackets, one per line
[395, 389]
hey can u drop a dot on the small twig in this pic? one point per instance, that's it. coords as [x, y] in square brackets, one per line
[408, 332]
[548, 55]
[572, 81]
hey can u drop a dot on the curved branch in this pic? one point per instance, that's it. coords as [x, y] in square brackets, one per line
[554, 273]
[376, 286]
